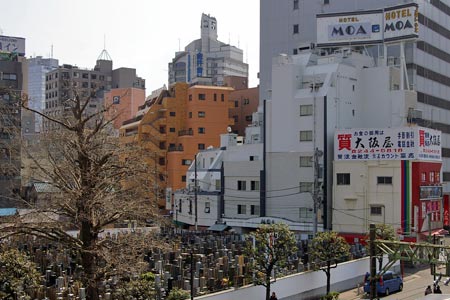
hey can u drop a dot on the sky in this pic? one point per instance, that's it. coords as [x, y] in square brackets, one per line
[140, 34]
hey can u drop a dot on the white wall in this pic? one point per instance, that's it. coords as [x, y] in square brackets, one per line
[299, 286]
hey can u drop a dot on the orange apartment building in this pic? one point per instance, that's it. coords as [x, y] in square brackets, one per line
[173, 127]
[124, 104]
[244, 103]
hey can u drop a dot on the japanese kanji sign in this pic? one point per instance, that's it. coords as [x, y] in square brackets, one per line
[405, 143]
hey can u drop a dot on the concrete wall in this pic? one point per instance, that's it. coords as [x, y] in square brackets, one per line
[307, 285]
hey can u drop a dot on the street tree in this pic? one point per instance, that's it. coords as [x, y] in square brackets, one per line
[326, 251]
[268, 247]
[178, 294]
[383, 232]
[18, 275]
[99, 182]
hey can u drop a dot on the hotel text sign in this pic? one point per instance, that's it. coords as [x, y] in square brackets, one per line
[405, 143]
[368, 27]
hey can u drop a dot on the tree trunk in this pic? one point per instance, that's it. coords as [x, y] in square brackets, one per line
[269, 271]
[88, 261]
[328, 273]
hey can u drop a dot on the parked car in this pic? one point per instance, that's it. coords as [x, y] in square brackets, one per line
[388, 283]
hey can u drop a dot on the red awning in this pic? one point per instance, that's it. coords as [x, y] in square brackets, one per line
[436, 232]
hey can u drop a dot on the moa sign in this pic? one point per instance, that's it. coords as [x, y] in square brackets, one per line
[368, 27]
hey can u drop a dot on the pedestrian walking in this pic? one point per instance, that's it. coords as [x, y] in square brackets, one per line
[428, 290]
[274, 296]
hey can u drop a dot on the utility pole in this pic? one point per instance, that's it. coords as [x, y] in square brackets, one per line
[316, 191]
[195, 192]
[373, 262]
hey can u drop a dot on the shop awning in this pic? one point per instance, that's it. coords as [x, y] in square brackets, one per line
[435, 232]
[219, 227]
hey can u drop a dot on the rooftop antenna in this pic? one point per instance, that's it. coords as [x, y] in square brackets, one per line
[179, 45]
[104, 55]
[51, 53]
[229, 38]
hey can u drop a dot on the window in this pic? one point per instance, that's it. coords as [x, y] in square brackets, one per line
[85, 84]
[376, 210]
[384, 180]
[305, 213]
[254, 185]
[186, 162]
[305, 135]
[215, 97]
[326, 1]
[190, 97]
[94, 76]
[431, 177]
[190, 115]
[236, 103]
[423, 176]
[295, 51]
[101, 77]
[222, 97]
[241, 209]
[241, 185]
[306, 161]
[295, 29]
[254, 157]
[183, 178]
[201, 130]
[305, 187]
[179, 205]
[248, 118]
[295, 4]
[207, 207]
[76, 75]
[218, 185]
[201, 114]
[201, 97]
[201, 146]
[437, 177]
[306, 110]
[254, 210]
[235, 119]
[172, 114]
[85, 76]
[171, 129]
[162, 145]
[246, 101]
[343, 178]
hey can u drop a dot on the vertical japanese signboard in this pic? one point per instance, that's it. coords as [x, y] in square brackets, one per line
[405, 143]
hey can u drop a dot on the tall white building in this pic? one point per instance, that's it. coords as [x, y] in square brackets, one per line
[287, 26]
[38, 67]
[207, 60]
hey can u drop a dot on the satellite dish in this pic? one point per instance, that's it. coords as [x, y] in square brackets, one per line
[229, 129]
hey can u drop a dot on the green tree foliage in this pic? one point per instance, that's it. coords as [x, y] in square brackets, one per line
[383, 232]
[178, 294]
[326, 251]
[18, 275]
[141, 288]
[273, 245]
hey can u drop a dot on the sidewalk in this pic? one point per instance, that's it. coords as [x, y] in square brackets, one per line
[353, 294]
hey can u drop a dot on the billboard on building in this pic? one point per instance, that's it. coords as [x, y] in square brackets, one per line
[403, 143]
[368, 27]
[11, 44]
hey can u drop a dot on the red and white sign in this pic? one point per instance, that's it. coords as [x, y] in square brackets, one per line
[403, 143]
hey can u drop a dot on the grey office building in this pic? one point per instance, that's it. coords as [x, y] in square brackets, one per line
[290, 25]
[62, 84]
[207, 60]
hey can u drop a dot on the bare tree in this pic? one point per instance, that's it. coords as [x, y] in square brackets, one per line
[100, 181]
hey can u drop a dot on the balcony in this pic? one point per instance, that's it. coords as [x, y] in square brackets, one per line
[185, 132]
[176, 148]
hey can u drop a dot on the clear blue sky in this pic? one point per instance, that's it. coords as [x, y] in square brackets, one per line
[142, 34]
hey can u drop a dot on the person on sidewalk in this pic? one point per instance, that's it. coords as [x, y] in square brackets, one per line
[428, 290]
[437, 290]
[274, 296]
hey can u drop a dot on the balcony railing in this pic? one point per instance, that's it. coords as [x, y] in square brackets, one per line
[176, 148]
[185, 132]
